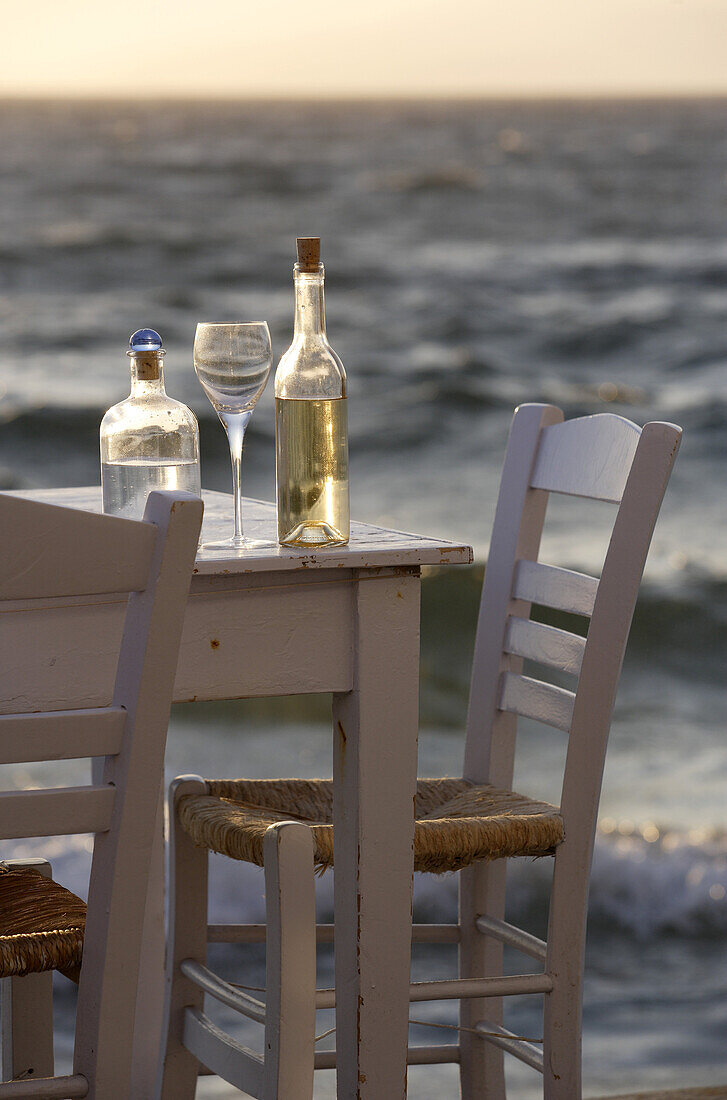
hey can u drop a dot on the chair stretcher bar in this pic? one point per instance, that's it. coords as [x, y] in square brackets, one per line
[510, 985]
[222, 991]
[514, 937]
[520, 1048]
[255, 933]
[415, 1056]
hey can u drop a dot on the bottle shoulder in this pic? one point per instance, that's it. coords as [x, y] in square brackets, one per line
[310, 369]
[159, 410]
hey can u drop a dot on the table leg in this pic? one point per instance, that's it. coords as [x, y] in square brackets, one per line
[375, 761]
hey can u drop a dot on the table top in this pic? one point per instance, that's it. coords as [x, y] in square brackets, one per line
[369, 546]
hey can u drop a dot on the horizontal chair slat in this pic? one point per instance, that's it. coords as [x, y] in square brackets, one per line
[237, 1065]
[60, 811]
[74, 552]
[513, 936]
[509, 985]
[222, 991]
[551, 586]
[520, 1048]
[534, 699]
[587, 457]
[415, 1056]
[545, 644]
[61, 735]
[50, 1088]
[255, 933]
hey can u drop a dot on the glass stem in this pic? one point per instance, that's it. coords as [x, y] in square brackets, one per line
[235, 425]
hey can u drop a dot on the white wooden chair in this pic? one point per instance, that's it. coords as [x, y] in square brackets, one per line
[284, 1069]
[53, 558]
[475, 823]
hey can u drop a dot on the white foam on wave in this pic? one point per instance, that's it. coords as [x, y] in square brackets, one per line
[646, 880]
[651, 881]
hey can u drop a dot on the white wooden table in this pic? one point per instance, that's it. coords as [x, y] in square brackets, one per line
[281, 622]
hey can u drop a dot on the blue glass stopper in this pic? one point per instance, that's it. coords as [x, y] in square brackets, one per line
[145, 339]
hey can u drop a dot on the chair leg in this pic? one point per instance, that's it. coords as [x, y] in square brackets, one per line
[290, 963]
[565, 960]
[149, 1020]
[481, 1068]
[562, 1044]
[178, 1070]
[27, 1013]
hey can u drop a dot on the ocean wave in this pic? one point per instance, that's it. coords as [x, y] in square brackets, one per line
[452, 177]
[478, 255]
[650, 880]
[688, 614]
[647, 881]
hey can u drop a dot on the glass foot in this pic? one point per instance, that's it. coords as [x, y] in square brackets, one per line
[230, 548]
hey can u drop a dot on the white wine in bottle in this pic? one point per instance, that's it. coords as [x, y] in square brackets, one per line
[311, 424]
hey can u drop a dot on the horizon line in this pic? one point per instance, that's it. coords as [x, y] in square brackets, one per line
[363, 97]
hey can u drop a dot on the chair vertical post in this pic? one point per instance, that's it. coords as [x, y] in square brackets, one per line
[290, 957]
[26, 1007]
[602, 660]
[122, 855]
[149, 1022]
[490, 741]
[188, 866]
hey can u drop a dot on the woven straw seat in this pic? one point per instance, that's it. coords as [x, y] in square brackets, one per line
[458, 823]
[41, 925]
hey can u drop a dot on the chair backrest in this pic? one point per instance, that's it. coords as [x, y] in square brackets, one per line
[53, 558]
[603, 458]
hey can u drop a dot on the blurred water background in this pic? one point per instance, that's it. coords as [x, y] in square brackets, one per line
[478, 255]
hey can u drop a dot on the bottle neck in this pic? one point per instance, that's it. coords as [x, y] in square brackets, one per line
[310, 313]
[147, 375]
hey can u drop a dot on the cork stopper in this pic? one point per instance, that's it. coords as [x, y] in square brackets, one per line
[309, 253]
[148, 367]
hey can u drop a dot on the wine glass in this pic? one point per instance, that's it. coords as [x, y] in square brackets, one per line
[233, 362]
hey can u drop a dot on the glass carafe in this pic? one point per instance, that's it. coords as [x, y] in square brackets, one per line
[149, 440]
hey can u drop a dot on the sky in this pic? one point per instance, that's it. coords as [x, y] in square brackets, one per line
[311, 48]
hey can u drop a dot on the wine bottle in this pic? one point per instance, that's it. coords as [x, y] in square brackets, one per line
[311, 423]
[149, 440]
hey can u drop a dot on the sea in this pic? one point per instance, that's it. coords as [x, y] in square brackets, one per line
[478, 255]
